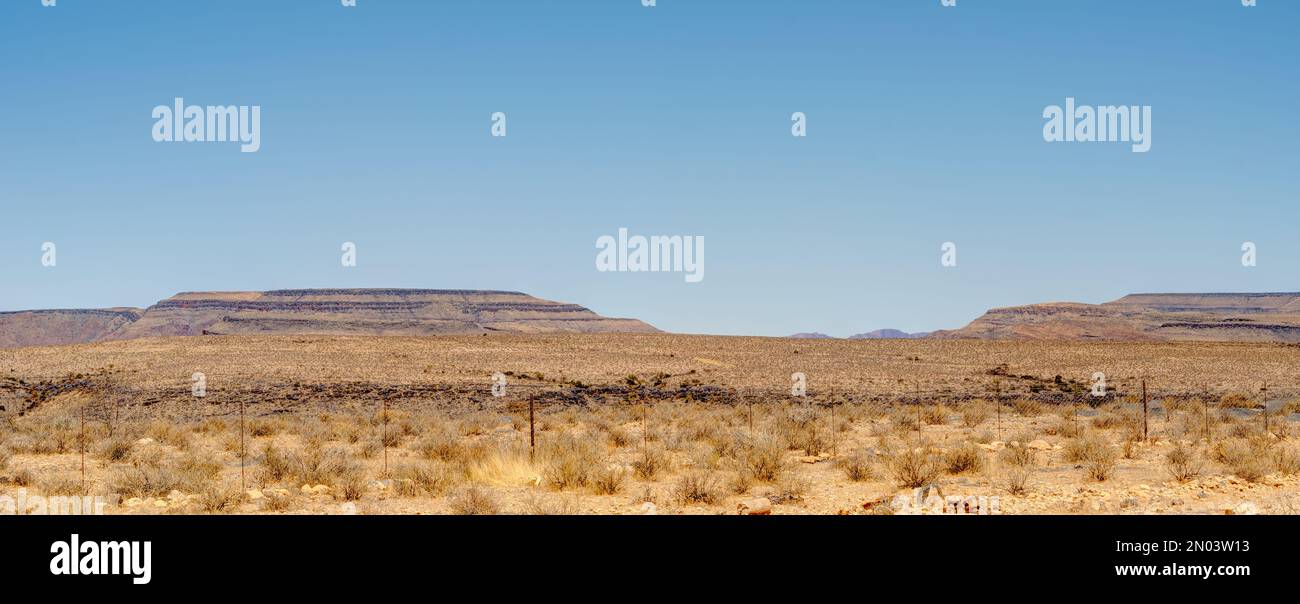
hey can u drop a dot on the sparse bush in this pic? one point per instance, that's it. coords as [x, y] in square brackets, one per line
[114, 448]
[697, 487]
[609, 479]
[914, 467]
[422, 478]
[1183, 463]
[649, 464]
[474, 501]
[1096, 455]
[59, 484]
[1287, 460]
[790, 489]
[440, 444]
[571, 463]
[764, 459]
[1248, 459]
[935, 415]
[799, 428]
[216, 498]
[858, 466]
[976, 413]
[1018, 465]
[1028, 407]
[967, 457]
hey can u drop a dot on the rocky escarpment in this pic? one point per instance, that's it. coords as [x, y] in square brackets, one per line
[1253, 317]
[62, 326]
[413, 312]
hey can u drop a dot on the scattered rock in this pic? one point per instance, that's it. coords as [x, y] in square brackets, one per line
[253, 495]
[760, 506]
[649, 509]
[1039, 445]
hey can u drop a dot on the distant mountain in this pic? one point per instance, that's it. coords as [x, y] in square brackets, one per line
[887, 334]
[1251, 317]
[812, 336]
[410, 312]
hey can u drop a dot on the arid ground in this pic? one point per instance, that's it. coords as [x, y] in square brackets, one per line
[650, 423]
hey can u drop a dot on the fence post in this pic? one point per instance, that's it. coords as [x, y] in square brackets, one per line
[532, 430]
[1264, 403]
[383, 433]
[242, 488]
[1144, 411]
[83, 450]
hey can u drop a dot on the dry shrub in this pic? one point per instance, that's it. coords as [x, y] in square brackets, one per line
[474, 501]
[331, 466]
[1248, 459]
[650, 463]
[422, 478]
[799, 428]
[441, 444]
[1018, 465]
[168, 433]
[218, 497]
[59, 484]
[1287, 460]
[22, 477]
[1183, 463]
[538, 505]
[790, 489]
[967, 457]
[1236, 400]
[619, 436]
[113, 448]
[608, 480]
[858, 466]
[570, 462]
[976, 413]
[261, 427]
[764, 459]
[1028, 407]
[1096, 455]
[697, 487]
[5, 456]
[935, 415]
[914, 466]
[279, 464]
[154, 474]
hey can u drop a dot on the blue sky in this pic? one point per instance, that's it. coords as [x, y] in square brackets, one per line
[924, 126]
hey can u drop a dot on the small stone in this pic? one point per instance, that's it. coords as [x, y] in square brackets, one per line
[253, 495]
[1039, 445]
[649, 509]
[144, 442]
[158, 503]
[760, 506]
[132, 502]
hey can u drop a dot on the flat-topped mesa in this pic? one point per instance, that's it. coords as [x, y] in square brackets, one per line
[1249, 317]
[337, 312]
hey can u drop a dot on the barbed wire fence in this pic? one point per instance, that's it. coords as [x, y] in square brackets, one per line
[1156, 409]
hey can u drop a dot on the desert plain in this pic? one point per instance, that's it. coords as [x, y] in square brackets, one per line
[651, 424]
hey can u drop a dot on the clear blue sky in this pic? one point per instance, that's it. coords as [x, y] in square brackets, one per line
[925, 126]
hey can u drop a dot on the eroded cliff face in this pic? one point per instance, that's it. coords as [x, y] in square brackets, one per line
[314, 311]
[66, 326]
[1261, 317]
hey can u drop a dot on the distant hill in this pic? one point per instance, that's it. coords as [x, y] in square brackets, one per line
[1249, 317]
[888, 334]
[313, 311]
[812, 336]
